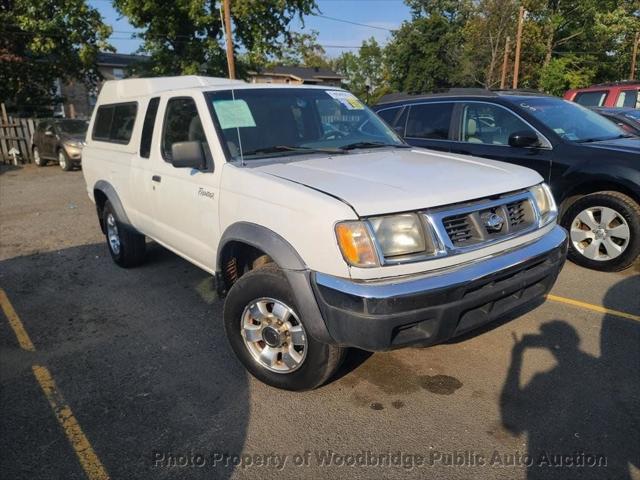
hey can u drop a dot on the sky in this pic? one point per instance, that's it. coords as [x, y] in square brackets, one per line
[333, 35]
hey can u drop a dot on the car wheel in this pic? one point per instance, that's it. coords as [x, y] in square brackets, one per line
[63, 160]
[269, 337]
[127, 248]
[604, 229]
[37, 159]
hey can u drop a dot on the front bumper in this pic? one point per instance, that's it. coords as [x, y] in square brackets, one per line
[431, 308]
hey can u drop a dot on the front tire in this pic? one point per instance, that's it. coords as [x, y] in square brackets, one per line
[37, 159]
[269, 337]
[604, 231]
[63, 159]
[127, 248]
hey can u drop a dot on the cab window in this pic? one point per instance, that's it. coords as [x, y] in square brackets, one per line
[489, 124]
[591, 99]
[181, 124]
[628, 98]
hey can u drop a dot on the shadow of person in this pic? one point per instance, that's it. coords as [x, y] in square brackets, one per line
[572, 414]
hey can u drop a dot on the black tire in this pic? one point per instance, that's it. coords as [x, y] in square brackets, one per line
[37, 159]
[131, 246]
[623, 205]
[65, 162]
[321, 360]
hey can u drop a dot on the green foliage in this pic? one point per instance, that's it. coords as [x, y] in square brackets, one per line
[365, 71]
[42, 40]
[563, 73]
[186, 36]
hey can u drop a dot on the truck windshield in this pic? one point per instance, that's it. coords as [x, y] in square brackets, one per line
[570, 120]
[271, 122]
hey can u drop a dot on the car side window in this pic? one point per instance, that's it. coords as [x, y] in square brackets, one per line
[389, 114]
[591, 99]
[181, 124]
[430, 120]
[147, 127]
[114, 123]
[628, 98]
[489, 124]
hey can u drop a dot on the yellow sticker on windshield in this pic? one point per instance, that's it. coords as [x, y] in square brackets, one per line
[347, 99]
[233, 114]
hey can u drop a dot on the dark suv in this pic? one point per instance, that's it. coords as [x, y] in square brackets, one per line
[59, 140]
[592, 165]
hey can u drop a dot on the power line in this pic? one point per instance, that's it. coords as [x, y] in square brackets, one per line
[352, 23]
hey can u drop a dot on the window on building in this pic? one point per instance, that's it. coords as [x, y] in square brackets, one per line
[118, 73]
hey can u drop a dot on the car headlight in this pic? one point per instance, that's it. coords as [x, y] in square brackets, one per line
[545, 203]
[75, 143]
[398, 234]
[356, 245]
[392, 237]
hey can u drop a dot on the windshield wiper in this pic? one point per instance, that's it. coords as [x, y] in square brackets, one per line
[290, 148]
[352, 146]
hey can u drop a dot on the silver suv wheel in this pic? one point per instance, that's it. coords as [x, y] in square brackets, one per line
[274, 335]
[112, 234]
[600, 233]
[62, 160]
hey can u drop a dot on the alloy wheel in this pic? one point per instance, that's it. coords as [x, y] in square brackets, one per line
[600, 233]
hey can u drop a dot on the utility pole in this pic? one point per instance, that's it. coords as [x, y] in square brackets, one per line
[229, 38]
[516, 63]
[505, 61]
[633, 56]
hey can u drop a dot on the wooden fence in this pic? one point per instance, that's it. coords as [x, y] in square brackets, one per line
[16, 133]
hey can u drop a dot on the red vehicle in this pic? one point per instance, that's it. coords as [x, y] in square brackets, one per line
[617, 94]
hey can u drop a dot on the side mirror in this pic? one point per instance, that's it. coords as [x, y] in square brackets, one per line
[399, 129]
[524, 139]
[188, 155]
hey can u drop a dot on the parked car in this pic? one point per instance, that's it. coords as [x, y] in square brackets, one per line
[592, 166]
[616, 94]
[322, 227]
[59, 140]
[626, 118]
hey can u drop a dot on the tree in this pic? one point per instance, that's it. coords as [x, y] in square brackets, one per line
[185, 37]
[365, 72]
[301, 49]
[43, 40]
[563, 73]
[424, 55]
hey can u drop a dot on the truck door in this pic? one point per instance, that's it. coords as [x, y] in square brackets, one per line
[185, 200]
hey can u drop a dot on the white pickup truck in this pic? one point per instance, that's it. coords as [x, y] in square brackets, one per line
[324, 230]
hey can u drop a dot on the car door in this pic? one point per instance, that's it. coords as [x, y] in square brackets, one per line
[141, 186]
[185, 200]
[483, 129]
[49, 141]
[428, 125]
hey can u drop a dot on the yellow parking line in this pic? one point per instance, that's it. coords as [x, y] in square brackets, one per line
[16, 324]
[88, 458]
[595, 308]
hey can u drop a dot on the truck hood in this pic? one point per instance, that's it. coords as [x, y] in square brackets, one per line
[399, 180]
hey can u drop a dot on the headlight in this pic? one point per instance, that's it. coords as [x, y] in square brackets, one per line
[398, 234]
[356, 245]
[75, 144]
[545, 203]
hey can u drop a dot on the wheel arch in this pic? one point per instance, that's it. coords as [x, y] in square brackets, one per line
[258, 242]
[103, 191]
[594, 185]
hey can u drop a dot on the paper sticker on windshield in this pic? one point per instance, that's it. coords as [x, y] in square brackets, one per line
[347, 99]
[233, 114]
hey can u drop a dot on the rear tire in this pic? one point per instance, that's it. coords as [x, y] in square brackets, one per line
[63, 159]
[261, 320]
[604, 231]
[127, 248]
[37, 159]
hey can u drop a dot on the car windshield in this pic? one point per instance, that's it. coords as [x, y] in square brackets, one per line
[271, 122]
[570, 120]
[72, 127]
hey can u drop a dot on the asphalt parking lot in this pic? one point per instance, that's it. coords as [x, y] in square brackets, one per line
[126, 374]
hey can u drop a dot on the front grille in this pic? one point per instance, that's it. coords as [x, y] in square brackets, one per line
[482, 222]
[458, 229]
[516, 212]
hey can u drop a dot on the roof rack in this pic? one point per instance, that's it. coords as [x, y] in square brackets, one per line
[394, 97]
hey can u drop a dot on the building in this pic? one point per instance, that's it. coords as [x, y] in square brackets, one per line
[297, 75]
[78, 100]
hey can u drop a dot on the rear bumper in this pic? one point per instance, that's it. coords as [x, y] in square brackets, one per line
[428, 309]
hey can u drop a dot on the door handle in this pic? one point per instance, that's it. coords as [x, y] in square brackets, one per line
[156, 178]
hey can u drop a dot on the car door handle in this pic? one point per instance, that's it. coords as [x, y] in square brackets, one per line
[156, 178]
